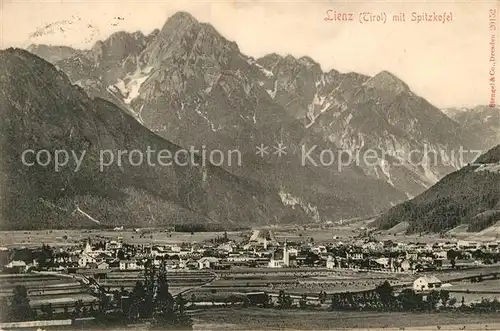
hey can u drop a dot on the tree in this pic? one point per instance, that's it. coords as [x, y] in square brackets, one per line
[104, 302]
[66, 312]
[137, 300]
[432, 299]
[451, 255]
[284, 300]
[4, 309]
[322, 297]
[444, 296]
[311, 258]
[193, 298]
[385, 292]
[120, 254]
[47, 311]
[169, 313]
[77, 312]
[303, 301]
[409, 300]
[20, 309]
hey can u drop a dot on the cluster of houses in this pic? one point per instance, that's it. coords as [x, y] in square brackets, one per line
[258, 252]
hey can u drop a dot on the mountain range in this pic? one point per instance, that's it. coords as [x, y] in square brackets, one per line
[190, 86]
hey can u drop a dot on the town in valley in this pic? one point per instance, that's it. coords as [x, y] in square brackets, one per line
[78, 276]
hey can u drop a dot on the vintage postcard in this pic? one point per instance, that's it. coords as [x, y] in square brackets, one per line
[249, 165]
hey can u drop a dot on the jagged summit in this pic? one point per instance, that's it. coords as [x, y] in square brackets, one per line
[272, 59]
[183, 16]
[308, 61]
[387, 81]
[179, 21]
[119, 45]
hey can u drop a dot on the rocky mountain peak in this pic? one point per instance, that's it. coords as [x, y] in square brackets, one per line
[182, 37]
[309, 62]
[386, 80]
[118, 46]
[179, 22]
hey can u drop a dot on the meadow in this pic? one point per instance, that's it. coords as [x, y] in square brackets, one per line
[273, 319]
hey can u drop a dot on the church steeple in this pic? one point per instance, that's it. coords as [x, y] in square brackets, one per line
[88, 247]
[286, 255]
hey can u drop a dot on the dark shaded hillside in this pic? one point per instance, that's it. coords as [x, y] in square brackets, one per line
[42, 110]
[458, 198]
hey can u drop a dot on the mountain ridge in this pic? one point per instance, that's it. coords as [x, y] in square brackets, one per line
[44, 111]
[194, 87]
[462, 197]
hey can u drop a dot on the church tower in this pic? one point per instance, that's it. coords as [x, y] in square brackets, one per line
[286, 255]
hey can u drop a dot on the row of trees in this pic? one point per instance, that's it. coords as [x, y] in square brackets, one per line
[383, 298]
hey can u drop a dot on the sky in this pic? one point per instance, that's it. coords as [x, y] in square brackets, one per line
[446, 63]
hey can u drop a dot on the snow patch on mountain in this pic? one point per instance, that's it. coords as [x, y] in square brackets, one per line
[251, 61]
[204, 116]
[272, 93]
[129, 86]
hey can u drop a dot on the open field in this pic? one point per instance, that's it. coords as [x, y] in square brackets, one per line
[44, 289]
[72, 237]
[178, 280]
[272, 319]
[484, 286]
[298, 281]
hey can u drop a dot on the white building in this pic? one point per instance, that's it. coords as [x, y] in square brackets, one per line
[128, 265]
[227, 247]
[85, 259]
[426, 283]
[330, 262]
[20, 266]
[207, 262]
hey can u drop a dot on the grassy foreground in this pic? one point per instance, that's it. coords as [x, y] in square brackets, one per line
[270, 319]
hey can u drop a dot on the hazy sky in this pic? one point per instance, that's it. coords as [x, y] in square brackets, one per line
[446, 63]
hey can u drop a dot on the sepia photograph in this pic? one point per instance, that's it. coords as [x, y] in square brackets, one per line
[249, 165]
